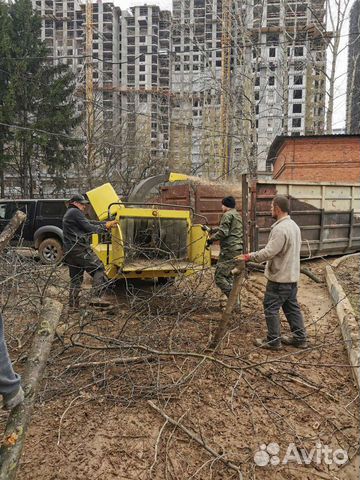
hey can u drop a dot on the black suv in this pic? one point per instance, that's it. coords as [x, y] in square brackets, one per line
[43, 226]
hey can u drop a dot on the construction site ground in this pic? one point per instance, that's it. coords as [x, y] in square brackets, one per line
[95, 416]
[347, 273]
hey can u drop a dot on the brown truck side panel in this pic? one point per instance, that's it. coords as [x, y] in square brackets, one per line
[327, 213]
[205, 199]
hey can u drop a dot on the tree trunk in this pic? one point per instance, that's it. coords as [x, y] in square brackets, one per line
[352, 88]
[2, 183]
[22, 169]
[31, 180]
[19, 418]
[239, 275]
[261, 268]
[330, 110]
[10, 229]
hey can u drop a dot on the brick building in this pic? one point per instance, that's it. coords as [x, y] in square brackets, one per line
[317, 158]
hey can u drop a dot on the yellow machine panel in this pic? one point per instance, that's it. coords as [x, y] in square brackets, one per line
[199, 254]
[100, 199]
[148, 242]
[176, 177]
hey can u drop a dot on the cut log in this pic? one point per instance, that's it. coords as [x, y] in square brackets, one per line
[10, 229]
[19, 418]
[310, 274]
[261, 268]
[116, 361]
[239, 276]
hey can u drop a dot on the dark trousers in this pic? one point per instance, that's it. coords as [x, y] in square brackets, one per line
[223, 275]
[80, 261]
[283, 295]
[9, 380]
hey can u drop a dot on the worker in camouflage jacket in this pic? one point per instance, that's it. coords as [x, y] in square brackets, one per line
[230, 235]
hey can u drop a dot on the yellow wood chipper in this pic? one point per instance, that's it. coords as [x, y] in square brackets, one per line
[152, 240]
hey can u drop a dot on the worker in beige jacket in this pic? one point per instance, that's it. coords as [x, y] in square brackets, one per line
[282, 256]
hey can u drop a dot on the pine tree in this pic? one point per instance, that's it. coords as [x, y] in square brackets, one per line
[37, 98]
[5, 132]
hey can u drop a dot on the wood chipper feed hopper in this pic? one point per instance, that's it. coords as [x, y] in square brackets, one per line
[151, 241]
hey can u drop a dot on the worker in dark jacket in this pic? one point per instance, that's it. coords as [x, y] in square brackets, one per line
[79, 255]
[230, 235]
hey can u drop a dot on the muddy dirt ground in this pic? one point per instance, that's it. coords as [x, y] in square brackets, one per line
[348, 275]
[99, 421]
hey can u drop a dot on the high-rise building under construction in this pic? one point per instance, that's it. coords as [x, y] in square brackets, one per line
[145, 80]
[272, 84]
[64, 32]
[129, 59]
[206, 89]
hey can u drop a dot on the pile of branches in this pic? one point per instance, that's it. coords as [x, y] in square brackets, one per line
[152, 346]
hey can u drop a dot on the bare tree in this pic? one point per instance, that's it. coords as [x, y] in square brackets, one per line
[337, 11]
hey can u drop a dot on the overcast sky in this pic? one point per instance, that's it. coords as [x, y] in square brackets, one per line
[340, 87]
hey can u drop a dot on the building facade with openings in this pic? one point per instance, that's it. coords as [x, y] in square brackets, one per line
[278, 56]
[145, 82]
[160, 88]
[64, 32]
[131, 79]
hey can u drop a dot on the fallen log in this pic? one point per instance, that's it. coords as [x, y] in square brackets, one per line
[310, 274]
[10, 229]
[239, 276]
[261, 268]
[112, 361]
[19, 418]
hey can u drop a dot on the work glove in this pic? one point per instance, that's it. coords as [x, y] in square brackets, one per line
[111, 224]
[246, 257]
[206, 228]
[209, 242]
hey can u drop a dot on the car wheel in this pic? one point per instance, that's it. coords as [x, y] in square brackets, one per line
[50, 251]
